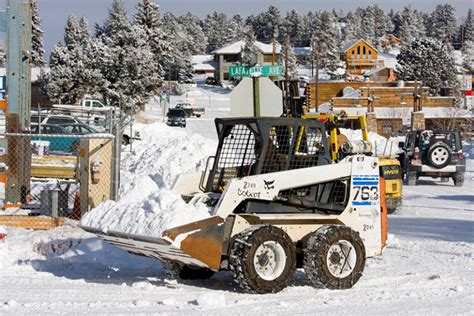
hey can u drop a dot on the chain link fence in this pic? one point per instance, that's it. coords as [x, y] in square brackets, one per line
[48, 176]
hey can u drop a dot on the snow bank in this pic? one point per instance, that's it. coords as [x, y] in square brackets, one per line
[380, 144]
[147, 206]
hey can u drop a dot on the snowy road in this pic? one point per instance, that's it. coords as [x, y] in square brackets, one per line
[427, 267]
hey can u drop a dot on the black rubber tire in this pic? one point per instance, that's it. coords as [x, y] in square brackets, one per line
[316, 253]
[410, 178]
[242, 255]
[458, 179]
[435, 151]
[186, 272]
[198, 115]
[391, 210]
[125, 140]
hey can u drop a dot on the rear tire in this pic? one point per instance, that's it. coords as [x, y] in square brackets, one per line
[411, 178]
[262, 259]
[334, 257]
[458, 179]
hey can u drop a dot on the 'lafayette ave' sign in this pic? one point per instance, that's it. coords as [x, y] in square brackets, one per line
[260, 71]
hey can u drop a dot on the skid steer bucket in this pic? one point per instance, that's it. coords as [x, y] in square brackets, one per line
[197, 244]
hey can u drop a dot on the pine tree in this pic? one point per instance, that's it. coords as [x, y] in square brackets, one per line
[216, 29]
[468, 56]
[267, 25]
[430, 61]
[236, 28]
[191, 25]
[288, 58]
[37, 49]
[250, 52]
[353, 29]
[468, 27]
[411, 26]
[292, 26]
[326, 41]
[72, 33]
[442, 24]
[147, 18]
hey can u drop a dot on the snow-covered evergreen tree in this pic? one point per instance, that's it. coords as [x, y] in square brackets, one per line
[267, 25]
[430, 61]
[442, 25]
[250, 52]
[129, 70]
[37, 49]
[410, 26]
[468, 27]
[468, 56]
[288, 59]
[292, 26]
[326, 41]
[216, 28]
[196, 37]
[353, 29]
[236, 28]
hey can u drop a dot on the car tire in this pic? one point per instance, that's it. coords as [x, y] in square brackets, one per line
[198, 115]
[262, 259]
[410, 178]
[439, 155]
[125, 140]
[334, 257]
[458, 179]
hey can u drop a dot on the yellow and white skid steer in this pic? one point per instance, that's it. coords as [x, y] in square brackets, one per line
[278, 203]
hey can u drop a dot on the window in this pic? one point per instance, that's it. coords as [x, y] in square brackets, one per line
[87, 104]
[231, 58]
[96, 104]
[226, 76]
[353, 52]
[35, 119]
[60, 120]
[364, 50]
[387, 129]
[358, 50]
[268, 58]
[370, 53]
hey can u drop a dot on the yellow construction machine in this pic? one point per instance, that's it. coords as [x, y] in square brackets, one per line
[340, 147]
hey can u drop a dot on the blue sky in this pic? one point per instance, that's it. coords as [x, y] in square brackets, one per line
[55, 12]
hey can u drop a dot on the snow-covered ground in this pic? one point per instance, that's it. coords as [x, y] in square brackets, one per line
[427, 267]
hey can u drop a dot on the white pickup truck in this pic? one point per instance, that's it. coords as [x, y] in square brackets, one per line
[86, 105]
[190, 109]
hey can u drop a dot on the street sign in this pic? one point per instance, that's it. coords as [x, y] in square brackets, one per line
[258, 71]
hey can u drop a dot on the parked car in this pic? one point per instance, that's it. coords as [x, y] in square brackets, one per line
[176, 117]
[436, 154]
[211, 81]
[65, 144]
[190, 109]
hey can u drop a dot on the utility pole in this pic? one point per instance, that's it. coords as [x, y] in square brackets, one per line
[286, 94]
[317, 80]
[462, 33]
[16, 22]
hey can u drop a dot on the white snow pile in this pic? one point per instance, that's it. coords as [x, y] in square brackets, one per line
[147, 206]
[379, 142]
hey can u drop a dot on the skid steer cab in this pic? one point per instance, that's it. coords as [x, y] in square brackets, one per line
[279, 203]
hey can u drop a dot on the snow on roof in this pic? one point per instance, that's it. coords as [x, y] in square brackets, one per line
[236, 48]
[198, 59]
[302, 51]
[346, 47]
[389, 60]
[205, 66]
[35, 72]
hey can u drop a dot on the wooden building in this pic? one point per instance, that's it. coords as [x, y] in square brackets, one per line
[360, 57]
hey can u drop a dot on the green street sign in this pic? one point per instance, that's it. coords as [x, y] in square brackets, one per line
[259, 71]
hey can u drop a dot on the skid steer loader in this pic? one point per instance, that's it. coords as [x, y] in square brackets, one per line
[278, 202]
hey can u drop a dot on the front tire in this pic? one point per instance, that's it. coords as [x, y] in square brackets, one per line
[125, 140]
[334, 257]
[186, 272]
[458, 179]
[262, 259]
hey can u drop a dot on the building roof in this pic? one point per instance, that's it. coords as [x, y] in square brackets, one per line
[236, 48]
[351, 44]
